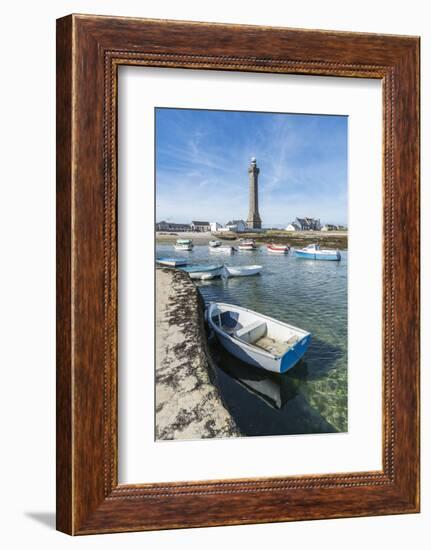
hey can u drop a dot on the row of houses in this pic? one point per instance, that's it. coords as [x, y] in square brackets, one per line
[178, 227]
[240, 226]
[304, 224]
[311, 224]
[237, 226]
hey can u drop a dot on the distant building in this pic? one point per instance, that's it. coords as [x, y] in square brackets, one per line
[330, 227]
[293, 227]
[200, 226]
[169, 226]
[305, 224]
[237, 226]
[215, 226]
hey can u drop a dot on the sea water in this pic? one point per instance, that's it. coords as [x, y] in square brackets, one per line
[312, 295]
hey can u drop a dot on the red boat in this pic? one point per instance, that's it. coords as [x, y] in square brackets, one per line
[278, 248]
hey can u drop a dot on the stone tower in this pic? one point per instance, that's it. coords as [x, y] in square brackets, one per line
[253, 220]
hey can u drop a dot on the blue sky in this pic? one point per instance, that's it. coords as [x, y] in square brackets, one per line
[202, 159]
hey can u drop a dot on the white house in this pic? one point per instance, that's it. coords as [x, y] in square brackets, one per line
[237, 226]
[215, 226]
[292, 227]
[304, 224]
[200, 226]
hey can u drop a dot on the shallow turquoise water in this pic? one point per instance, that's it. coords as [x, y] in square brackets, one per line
[311, 397]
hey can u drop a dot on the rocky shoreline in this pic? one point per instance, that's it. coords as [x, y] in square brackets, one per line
[188, 402]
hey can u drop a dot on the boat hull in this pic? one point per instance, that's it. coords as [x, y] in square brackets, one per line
[242, 271]
[171, 262]
[277, 250]
[204, 274]
[222, 250]
[183, 248]
[334, 257]
[253, 355]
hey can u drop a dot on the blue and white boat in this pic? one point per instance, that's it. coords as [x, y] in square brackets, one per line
[257, 339]
[171, 262]
[314, 252]
[184, 245]
[203, 272]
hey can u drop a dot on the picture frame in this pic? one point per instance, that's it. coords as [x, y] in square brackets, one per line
[89, 51]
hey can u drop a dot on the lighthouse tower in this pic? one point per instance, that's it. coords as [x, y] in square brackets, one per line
[253, 220]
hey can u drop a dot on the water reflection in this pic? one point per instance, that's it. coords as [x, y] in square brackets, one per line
[274, 389]
[264, 403]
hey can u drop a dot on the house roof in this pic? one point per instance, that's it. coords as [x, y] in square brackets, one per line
[235, 222]
[307, 220]
[200, 223]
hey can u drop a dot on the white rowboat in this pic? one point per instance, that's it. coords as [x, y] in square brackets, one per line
[247, 244]
[256, 339]
[242, 270]
[223, 249]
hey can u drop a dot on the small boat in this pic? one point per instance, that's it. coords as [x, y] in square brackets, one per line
[242, 270]
[278, 248]
[247, 244]
[203, 272]
[171, 262]
[214, 244]
[257, 339]
[184, 245]
[314, 252]
[223, 249]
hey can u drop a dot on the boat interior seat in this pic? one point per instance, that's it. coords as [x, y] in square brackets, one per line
[252, 332]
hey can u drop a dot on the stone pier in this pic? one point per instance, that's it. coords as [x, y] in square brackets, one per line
[188, 402]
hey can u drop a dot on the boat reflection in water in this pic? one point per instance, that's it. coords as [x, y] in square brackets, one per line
[275, 390]
[266, 403]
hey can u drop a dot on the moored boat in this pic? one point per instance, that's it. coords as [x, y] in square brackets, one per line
[184, 245]
[214, 244]
[223, 249]
[247, 244]
[203, 272]
[171, 262]
[278, 248]
[314, 252]
[257, 339]
[242, 270]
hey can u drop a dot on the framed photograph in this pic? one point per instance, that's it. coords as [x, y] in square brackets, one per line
[237, 274]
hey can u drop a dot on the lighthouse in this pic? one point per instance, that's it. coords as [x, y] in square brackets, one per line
[253, 220]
